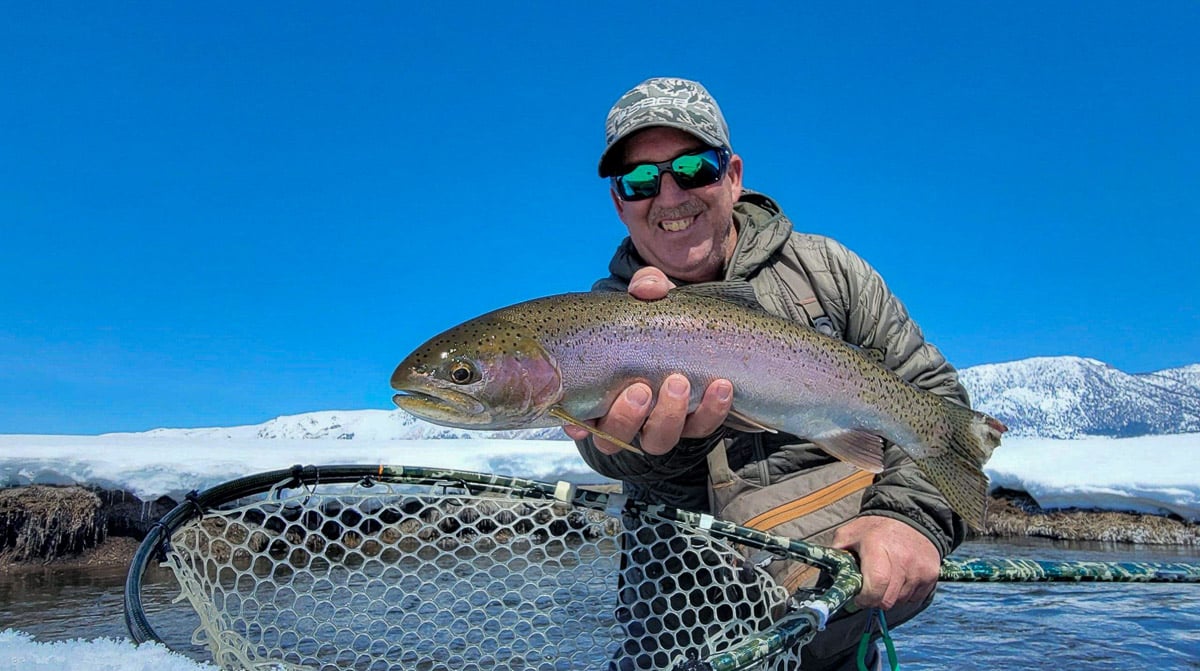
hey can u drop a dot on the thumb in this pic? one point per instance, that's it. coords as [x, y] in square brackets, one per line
[650, 284]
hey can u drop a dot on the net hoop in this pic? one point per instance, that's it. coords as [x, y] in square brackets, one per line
[795, 628]
[1032, 570]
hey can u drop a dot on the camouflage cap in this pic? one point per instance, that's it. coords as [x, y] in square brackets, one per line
[663, 101]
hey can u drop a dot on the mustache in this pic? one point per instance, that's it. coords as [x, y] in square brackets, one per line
[688, 209]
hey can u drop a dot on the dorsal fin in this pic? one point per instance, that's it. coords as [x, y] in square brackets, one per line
[734, 291]
[873, 353]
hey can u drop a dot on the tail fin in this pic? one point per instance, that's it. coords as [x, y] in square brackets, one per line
[958, 471]
[962, 483]
[974, 435]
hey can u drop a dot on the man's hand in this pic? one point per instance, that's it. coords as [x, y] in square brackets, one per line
[899, 564]
[650, 284]
[664, 421]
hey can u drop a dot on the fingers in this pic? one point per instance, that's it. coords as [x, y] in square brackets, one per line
[661, 421]
[650, 284]
[876, 570]
[574, 432]
[899, 565]
[631, 413]
[625, 417]
[665, 424]
[892, 588]
[920, 582]
[886, 588]
[875, 585]
[711, 413]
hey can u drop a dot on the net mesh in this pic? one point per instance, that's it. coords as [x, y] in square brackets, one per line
[404, 577]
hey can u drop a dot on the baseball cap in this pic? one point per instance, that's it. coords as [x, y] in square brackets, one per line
[663, 101]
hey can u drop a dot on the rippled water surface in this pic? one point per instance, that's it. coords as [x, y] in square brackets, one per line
[1064, 626]
[970, 626]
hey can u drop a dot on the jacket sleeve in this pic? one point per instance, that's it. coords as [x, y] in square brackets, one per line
[678, 478]
[872, 317]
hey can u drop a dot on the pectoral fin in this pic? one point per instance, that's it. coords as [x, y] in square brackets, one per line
[561, 414]
[860, 448]
[739, 421]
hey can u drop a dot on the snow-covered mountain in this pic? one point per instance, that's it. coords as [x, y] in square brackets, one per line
[1053, 397]
[350, 425]
[1068, 397]
[1184, 380]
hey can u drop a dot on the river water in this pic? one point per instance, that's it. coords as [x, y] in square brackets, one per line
[970, 626]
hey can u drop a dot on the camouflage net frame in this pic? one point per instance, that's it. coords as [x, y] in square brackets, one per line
[377, 567]
[1032, 570]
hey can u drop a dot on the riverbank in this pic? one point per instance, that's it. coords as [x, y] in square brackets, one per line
[1016, 514]
[44, 525]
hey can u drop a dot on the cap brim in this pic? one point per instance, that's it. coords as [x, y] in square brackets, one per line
[606, 167]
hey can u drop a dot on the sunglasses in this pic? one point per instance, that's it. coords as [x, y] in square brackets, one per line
[691, 171]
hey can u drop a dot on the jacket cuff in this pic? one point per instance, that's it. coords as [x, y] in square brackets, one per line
[650, 468]
[938, 539]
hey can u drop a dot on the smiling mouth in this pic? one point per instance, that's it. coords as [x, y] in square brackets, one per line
[676, 225]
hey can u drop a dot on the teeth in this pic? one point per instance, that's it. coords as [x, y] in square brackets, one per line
[676, 225]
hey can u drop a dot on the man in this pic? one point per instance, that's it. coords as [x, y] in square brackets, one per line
[677, 187]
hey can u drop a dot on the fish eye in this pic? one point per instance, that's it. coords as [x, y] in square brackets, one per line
[462, 372]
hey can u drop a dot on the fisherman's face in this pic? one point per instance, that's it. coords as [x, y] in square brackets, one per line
[688, 234]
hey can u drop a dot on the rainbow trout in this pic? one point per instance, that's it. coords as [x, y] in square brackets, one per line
[565, 358]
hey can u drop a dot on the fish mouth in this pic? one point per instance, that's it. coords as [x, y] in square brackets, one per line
[443, 406]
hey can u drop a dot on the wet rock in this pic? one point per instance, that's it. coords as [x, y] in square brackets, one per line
[128, 515]
[42, 522]
[47, 523]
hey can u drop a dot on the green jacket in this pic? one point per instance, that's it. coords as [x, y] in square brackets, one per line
[779, 262]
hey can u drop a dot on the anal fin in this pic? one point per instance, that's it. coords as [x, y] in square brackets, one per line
[864, 450]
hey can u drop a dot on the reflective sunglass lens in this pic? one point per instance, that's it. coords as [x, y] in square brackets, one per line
[642, 173]
[688, 165]
[639, 183]
[690, 171]
[697, 170]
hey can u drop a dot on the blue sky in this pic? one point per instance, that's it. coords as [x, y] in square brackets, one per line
[217, 213]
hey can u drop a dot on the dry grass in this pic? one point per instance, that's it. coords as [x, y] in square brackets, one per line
[1015, 514]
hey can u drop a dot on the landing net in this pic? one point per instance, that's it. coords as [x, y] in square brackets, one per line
[346, 567]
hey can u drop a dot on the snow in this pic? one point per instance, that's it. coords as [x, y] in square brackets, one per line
[1148, 474]
[22, 653]
[150, 465]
